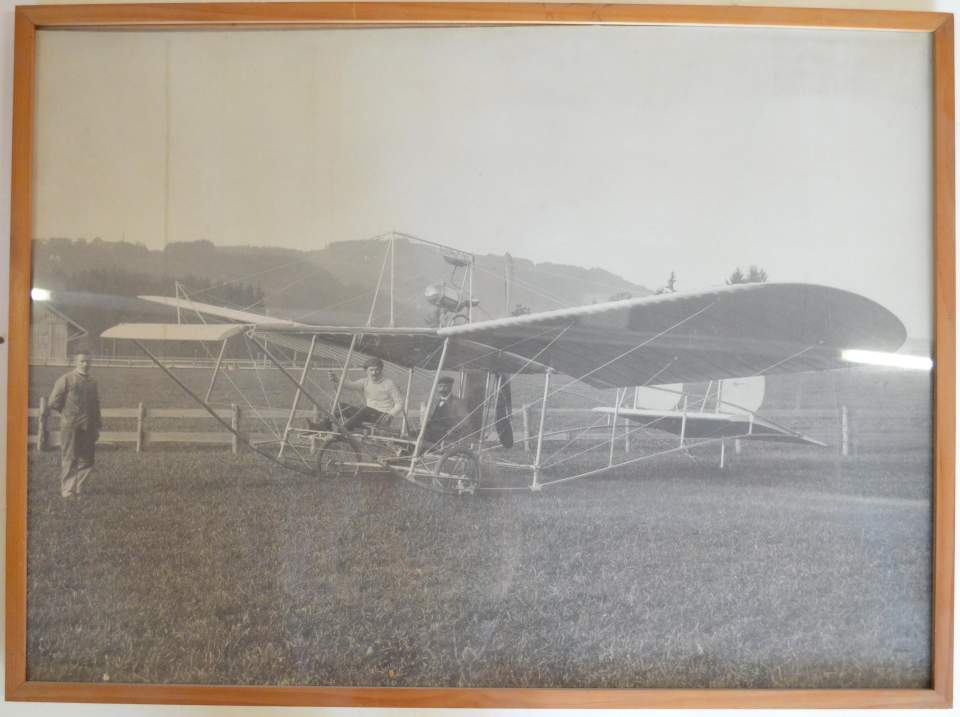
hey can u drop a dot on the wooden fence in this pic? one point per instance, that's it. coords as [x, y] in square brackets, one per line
[835, 426]
[43, 436]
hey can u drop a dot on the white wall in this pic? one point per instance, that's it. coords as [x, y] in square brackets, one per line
[37, 709]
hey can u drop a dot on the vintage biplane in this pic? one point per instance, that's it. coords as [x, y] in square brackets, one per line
[643, 351]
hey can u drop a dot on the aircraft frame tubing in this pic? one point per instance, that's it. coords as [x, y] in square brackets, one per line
[536, 484]
[632, 461]
[423, 422]
[296, 396]
[418, 469]
[241, 438]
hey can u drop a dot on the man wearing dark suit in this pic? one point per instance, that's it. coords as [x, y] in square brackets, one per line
[445, 420]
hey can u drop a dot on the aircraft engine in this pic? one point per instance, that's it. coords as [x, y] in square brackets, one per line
[444, 296]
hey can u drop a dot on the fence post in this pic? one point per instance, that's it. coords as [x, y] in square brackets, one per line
[235, 425]
[141, 418]
[42, 426]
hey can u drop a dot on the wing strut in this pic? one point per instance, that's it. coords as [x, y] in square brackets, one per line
[240, 437]
[335, 406]
[296, 397]
[275, 362]
[216, 369]
[426, 417]
[299, 384]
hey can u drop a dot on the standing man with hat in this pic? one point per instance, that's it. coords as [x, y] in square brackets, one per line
[75, 398]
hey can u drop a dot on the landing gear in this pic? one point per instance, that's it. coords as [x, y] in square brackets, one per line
[338, 457]
[457, 472]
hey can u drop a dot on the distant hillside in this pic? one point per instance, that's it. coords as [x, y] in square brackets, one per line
[332, 285]
[538, 287]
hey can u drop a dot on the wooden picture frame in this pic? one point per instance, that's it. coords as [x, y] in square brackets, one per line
[32, 19]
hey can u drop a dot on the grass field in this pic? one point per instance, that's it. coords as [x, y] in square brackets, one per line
[794, 568]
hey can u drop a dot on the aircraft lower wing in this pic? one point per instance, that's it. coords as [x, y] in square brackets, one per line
[709, 424]
[728, 332]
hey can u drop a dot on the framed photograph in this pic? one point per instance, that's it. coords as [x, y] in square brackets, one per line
[481, 355]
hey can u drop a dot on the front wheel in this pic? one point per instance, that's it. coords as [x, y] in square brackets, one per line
[338, 457]
[457, 471]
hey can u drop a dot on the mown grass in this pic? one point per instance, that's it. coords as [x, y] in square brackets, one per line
[204, 567]
[794, 568]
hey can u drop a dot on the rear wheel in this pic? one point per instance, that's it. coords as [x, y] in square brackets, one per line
[338, 457]
[457, 471]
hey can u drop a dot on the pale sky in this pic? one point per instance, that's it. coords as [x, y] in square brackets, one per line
[639, 150]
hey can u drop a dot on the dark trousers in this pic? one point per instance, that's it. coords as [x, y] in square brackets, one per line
[364, 415]
[437, 431]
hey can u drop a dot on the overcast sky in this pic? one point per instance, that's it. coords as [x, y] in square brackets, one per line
[638, 150]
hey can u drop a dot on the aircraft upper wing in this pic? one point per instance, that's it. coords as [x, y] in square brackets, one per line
[410, 347]
[244, 317]
[728, 332]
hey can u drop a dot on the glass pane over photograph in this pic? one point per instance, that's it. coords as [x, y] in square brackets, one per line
[482, 357]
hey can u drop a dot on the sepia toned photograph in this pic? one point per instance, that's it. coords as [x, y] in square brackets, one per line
[526, 357]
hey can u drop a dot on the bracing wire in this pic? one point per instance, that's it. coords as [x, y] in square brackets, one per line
[240, 437]
[506, 383]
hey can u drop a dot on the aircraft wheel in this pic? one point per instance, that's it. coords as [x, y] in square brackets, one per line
[338, 457]
[457, 471]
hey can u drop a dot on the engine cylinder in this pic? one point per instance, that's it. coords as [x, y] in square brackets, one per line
[444, 296]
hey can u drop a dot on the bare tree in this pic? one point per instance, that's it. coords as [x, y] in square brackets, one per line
[754, 275]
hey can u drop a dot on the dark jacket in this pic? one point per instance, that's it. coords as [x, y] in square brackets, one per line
[447, 417]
